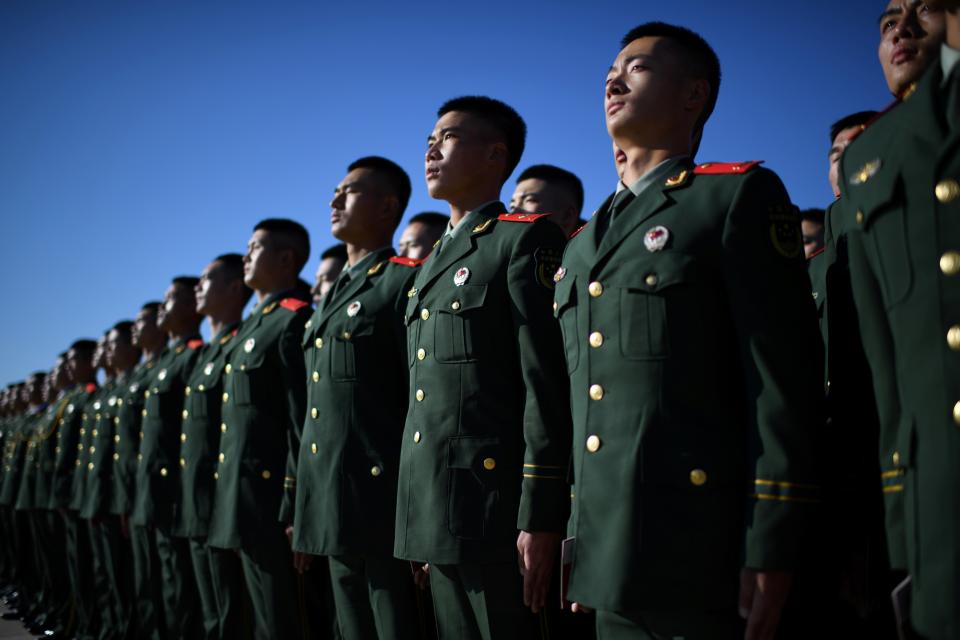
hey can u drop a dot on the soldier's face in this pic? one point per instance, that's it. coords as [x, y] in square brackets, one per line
[417, 240]
[463, 155]
[216, 290]
[121, 354]
[812, 236]
[145, 333]
[100, 354]
[178, 307]
[326, 275]
[836, 152]
[80, 367]
[265, 262]
[534, 195]
[910, 37]
[58, 376]
[33, 391]
[361, 207]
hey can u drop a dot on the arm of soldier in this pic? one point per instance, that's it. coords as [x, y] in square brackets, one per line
[546, 422]
[781, 363]
[294, 385]
[66, 454]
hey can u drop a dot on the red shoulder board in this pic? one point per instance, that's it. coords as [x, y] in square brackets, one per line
[292, 304]
[195, 344]
[816, 253]
[722, 168]
[234, 332]
[407, 262]
[579, 229]
[521, 217]
[91, 387]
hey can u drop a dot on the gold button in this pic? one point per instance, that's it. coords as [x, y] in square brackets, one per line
[956, 413]
[316, 376]
[425, 314]
[419, 395]
[953, 337]
[223, 427]
[221, 457]
[116, 457]
[146, 394]
[593, 444]
[947, 190]
[115, 421]
[347, 335]
[555, 307]
[595, 289]
[375, 471]
[596, 339]
[89, 466]
[652, 280]
[265, 474]
[950, 263]
[139, 457]
[185, 414]
[314, 413]
[186, 391]
[313, 448]
[226, 397]
[596, 391]
[216, 476]
[95, 433]
[163, 471]
[455, 305]
[896, 458]
[318, 343]
[83, 431]
[143, 413]
[183, 463]
[859, 217]
[183, 437]
[421, 354]
[93, 449]
[489, 464]
[141, 435]
[116, 438]
[200, 387]
[228, 368]
[416, 437]
[698, 477]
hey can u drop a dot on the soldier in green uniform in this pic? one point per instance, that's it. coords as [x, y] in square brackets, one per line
[422, 232]
[544, 188]
[157, 494]
[486, 439]
[141, 612]
[901, 182]
[263, 403]
[706, 429]
[356, 361]
[221, 296]
[331, 264]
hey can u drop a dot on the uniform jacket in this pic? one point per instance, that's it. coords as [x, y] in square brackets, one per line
[99, 473]
[83, 464]
[126, 437]
[68, 438]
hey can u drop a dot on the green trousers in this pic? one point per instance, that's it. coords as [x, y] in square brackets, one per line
[103, 595]
[226, 578]
[481, 602]
[677, 625]
[272, 586]
[80, 564]
[179, 588]
[148, 609]
[374, 597]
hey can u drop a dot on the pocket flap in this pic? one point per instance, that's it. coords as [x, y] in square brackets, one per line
[564, 294]
[469, 452]
[665, 270]
[873, 197]
[460, 299]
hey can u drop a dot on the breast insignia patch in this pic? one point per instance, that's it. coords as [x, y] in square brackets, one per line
[785, 230]
[547, 261]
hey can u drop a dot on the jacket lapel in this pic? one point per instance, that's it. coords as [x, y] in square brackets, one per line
[462, 244]
[637, 212]
[346, 295]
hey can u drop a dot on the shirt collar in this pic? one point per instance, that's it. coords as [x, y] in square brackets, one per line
[653, 175]
[948, 59]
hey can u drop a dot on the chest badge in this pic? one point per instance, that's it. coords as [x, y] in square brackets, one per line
[656, 238]
[249, 344]
[162, 375]
[207, 370]
[558, 276]
[866, 172]
[461, 276]
[354, 308]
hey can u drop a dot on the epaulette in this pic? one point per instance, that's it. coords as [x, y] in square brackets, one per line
[521, 217]
[816, 253]
[91, 387]
[195, 344]
[579, 229]
[879, 114]
[407, 262]
[725, 168]
[292, 304]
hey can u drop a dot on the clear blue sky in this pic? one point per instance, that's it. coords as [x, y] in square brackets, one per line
[140, 139]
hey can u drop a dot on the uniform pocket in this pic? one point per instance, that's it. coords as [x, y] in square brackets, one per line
[473, 489]
[644, 329]
[457, 335]
[878, 204]
[244, 374]
[565, 310]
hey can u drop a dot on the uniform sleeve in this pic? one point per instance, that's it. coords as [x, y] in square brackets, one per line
[66, 454]
[547, 431]
[293, 371]
[781, 363]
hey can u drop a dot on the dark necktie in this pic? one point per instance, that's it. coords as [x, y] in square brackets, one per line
[620, 202]
[952, 92]
[337, 287]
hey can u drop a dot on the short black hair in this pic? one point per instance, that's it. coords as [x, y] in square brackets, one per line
[501, 117]
[556, 175]
[337, 251]
[293, 236]
[124, 328]
[432, 219]
[858, 119]
[703, 60]
[396, 177]
[816, 215]
[233, 265]
[186, 281]
[153, 306]
[84, 347]
[38, 374]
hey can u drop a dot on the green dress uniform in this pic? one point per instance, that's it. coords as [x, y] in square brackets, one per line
[696, 376]
[23, 505]
[356, 360]
[263, 403]
[901, 181]
[216, 572]
[486, 441]
[158, 494]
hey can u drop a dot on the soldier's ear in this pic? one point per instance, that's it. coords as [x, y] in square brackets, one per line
[390, 206]
[698, 92]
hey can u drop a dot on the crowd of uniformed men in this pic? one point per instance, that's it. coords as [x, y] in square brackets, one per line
[525, 425]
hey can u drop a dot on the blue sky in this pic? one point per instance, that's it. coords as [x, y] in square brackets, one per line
[139, 140]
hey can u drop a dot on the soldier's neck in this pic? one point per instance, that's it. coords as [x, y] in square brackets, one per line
[218, 323]
[640, 160]
[152, 354]
[278, 287]
[462, 205]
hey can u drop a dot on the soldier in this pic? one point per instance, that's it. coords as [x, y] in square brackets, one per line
[901, 193]
[221, 296]
[543, 188]
[331, 264]
[486, 437]
[157, 494]
[842, 133]
[671, 411]
[423, 231]
[264, 400]
[356, 358]
[811, 228]
[910, 37]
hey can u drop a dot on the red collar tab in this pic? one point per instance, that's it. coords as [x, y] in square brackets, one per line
[234, 332]
[195, 344]
[816, 253]
[521, 217]
[725, 168]
[292, 304]
[579, 229]
[407, 262]
[91, 387]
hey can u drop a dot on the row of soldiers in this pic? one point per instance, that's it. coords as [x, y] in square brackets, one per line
[637, 421]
